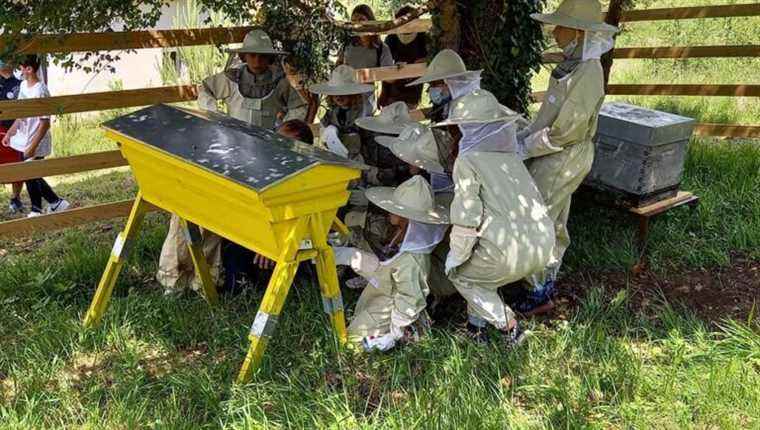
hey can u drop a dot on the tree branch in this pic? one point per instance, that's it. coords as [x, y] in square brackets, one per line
[371, 26]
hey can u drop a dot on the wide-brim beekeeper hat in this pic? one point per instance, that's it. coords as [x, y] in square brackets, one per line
[257, 42]
[478, 107]
[413, 200]
[445, 65]
[342, 83]
[578, 14]
[391, 120]
[416, 146]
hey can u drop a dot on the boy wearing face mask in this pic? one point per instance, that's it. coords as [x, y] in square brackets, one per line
[406, 48]
[447, 78]
[566, 120]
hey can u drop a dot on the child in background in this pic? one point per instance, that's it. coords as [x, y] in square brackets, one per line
[406, 48]
[9, 89]
[31, 137]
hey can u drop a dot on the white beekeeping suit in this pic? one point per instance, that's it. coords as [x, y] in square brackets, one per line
[396, 296]
[567, 123]
[264, 100]
[500, 230]
[417, 146]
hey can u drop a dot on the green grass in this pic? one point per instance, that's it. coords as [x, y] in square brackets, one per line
[159, 362]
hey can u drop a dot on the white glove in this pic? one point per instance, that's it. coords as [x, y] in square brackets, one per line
[536, 145]
[462, 240]
[362, 262]
[358, 198]
[332, 141]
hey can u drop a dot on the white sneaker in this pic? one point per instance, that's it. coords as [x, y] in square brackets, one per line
[60, 206]
[33, 214]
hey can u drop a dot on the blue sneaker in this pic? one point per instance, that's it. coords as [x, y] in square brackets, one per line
[538, 301]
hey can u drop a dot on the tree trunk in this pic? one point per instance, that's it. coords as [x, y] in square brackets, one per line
[447, 32]
[614, 13]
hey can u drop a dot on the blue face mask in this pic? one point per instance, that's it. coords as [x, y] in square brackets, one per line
[439, 96]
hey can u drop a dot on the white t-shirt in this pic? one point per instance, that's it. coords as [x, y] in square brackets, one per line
[28, 126]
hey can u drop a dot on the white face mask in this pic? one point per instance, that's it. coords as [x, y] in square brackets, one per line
[407, 38]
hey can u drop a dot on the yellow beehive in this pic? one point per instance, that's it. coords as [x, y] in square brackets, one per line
[249, 185]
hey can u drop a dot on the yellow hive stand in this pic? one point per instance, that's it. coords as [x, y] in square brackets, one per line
[274, 222]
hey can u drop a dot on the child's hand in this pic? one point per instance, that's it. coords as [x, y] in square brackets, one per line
[7, 140]
[29, 153]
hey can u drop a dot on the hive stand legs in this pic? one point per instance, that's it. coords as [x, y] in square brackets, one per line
[279, 284]
[119, 254]
[195, 245]
[274, 298]
[328, 279]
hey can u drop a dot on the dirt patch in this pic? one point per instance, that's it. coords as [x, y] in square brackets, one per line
[712, 294]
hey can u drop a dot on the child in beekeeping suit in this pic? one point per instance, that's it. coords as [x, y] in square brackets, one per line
[500, 230]
[391, 309]
[567, 120]
[417, 147]
[257, 92]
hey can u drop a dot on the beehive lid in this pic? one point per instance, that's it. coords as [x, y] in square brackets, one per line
[643, 126]
[249, 155]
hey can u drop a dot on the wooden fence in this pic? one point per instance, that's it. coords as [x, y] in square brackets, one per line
[87, 42]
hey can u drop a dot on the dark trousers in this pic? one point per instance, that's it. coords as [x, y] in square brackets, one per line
[39, 189]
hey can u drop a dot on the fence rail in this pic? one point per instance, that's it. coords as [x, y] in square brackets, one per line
[676, 13]
[88, 42]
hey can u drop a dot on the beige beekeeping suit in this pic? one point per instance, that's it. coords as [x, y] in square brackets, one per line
[567, 119]
[398, 287]
[277, 97]
[496, 196]
[500, 230]
[396, 296]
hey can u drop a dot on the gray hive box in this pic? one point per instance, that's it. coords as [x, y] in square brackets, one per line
[639, 152]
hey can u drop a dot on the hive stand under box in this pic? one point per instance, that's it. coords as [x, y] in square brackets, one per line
[640, 153]
[638, 164]
[261, 190]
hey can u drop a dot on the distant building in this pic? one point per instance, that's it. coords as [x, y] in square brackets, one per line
[138, 69]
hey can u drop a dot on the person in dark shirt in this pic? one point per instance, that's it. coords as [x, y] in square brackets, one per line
[9, 89]
[406, 48]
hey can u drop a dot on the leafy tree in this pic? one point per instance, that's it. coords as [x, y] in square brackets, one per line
[495, 35]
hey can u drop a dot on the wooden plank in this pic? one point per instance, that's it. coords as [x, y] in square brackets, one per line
[60, 166]
[123, 40]
[59, 105]
[728, 130]
[391, 73]
[69, 218]
[723, 11]
[96, 101]
[685, 90]
[419, 25]
[672, 52]
[688, 52]
[682, 198]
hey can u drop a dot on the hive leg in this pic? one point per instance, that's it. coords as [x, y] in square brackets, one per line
[328, 279]
[119, 254]
[195, 245]
[273, 301]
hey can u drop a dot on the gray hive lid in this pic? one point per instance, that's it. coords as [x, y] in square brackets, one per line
[249, 155]
[643, 126]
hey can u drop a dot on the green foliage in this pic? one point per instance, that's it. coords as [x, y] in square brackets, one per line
[196, 62]
[21, 18]
[499, 37]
